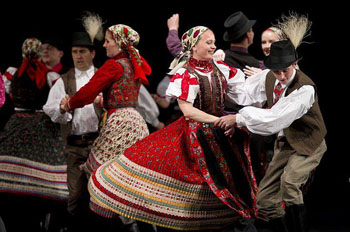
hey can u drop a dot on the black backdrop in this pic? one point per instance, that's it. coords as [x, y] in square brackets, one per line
[328, 197]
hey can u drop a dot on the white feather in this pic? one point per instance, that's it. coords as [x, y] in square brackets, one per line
[93, 26]
[295, 26]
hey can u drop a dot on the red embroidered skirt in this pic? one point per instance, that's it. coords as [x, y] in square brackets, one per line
[180, 177]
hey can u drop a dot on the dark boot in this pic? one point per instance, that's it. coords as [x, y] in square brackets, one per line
[295, 217]
[262, 226]
[274, 225]
[279, 225]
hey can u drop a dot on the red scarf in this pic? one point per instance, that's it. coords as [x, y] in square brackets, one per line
[35, 69]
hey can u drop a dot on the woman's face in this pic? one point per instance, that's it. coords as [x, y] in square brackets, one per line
[267, 38]
[205, 47]
[112, 48]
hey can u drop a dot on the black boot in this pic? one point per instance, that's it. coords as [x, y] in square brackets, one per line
[295, 217]
[278, 225]
[262, 226]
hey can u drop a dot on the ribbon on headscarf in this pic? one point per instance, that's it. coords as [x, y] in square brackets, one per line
[188, 41]
[35, 69]
[141, 67]
[127, 38]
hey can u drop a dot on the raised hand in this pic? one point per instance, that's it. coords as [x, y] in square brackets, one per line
[173, 22]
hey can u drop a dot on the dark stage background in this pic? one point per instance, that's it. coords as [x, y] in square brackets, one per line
[328, 197]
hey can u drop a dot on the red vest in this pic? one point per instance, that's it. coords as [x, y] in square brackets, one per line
[125, 91]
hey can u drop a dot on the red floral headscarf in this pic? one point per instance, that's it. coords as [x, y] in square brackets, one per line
[188, 40]
[127, 38]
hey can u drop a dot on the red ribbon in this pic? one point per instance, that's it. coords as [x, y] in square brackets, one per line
[141, 67]
[36, 70]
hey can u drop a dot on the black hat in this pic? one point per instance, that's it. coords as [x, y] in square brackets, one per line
[53, 40]
[236, 25]
[81, 39]
[282, 55]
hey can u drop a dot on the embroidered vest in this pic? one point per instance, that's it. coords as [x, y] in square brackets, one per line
[70, 87]
[211, 96]
[125, 91]
[26, 94]
[306, 133]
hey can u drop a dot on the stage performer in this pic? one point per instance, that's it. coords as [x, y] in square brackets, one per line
[187, 176]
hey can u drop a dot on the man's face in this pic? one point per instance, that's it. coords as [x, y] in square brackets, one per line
[284, 75]
[51, 55]
[82, 57]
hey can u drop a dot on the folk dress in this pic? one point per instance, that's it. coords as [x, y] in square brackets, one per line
[124, 125]
[189, 175]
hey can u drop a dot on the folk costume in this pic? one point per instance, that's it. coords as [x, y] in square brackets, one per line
[119, 79]
[187, 176]
[293, 114]
[31, 146]
[79, 128]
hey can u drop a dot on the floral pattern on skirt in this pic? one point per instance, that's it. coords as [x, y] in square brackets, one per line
[122, 129]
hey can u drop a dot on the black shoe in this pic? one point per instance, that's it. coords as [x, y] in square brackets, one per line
[295, 217]
[274, 225]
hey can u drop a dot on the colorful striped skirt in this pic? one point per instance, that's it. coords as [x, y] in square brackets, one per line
[167, 179]
[31, 157]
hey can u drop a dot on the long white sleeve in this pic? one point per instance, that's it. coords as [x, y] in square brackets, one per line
[242, 91]
[85, 119]
[52, 106]
[147, 107]
[280, 116]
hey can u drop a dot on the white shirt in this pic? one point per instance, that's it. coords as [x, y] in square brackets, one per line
[85, 119]
[147, 107]
[279, 116]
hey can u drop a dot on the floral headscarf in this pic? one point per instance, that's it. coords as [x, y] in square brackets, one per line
[127, 38]
[278, 32]
[31, 48]
[31, 64]
[188, 40]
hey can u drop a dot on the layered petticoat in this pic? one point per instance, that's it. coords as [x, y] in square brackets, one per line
[188, 176]
[31, 157]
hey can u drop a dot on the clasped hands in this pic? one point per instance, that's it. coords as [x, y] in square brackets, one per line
[64, 104]
[65, 107]
[226, 123]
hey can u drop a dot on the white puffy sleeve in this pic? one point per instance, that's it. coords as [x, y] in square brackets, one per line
[184, 86]
[52, 106]
[147, 107]
[242, 91]
[281, 115]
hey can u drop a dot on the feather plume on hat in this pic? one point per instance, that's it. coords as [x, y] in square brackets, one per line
[295, 26]
[93, 26]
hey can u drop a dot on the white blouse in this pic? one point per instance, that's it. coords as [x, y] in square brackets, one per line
[279, 116]
[185, 86]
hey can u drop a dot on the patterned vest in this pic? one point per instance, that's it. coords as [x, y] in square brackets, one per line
[125, 91]
[306, 133]
[211, 96]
